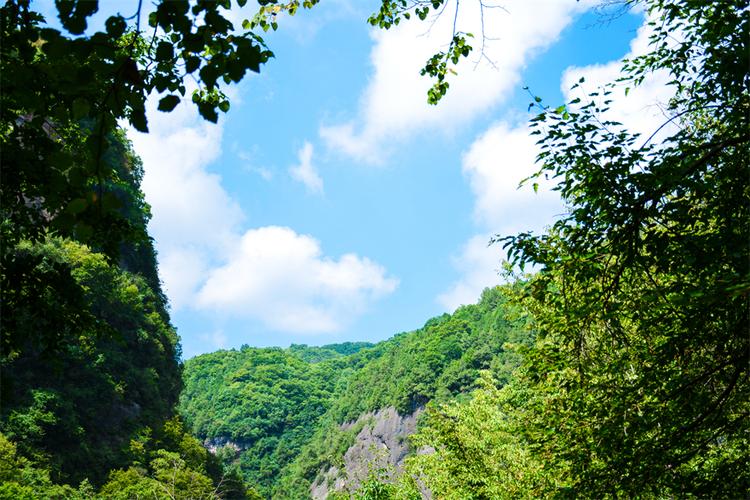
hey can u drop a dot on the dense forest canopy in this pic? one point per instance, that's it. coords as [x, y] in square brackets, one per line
[285, 412]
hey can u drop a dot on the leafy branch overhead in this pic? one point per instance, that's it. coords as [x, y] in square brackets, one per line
[64, 94]
[438, 66]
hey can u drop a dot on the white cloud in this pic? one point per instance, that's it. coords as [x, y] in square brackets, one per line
[495, 165]
[393, 106]
[306, 172]
[282, 278]
[194, 220]
[251, 159]
[479, 265]
[505, 154]
[208, 262]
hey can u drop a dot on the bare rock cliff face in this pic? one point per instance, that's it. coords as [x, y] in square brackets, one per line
[213, 444]
[386, 430]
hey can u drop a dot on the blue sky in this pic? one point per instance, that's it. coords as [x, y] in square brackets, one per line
[332, 203]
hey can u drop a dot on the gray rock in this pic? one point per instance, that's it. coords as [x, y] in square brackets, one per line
[386, 431]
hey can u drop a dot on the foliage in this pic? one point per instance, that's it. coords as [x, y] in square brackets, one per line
[63, 95]
[21, 480]
[437, 363]
[479, 451]
[641, 369]
[393, 11]
[285, 412]
[172, 465]
[105, 389]
[69, 424]
[329, 351]
[377, 479]
[267, 400]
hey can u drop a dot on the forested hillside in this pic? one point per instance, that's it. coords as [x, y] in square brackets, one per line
[100, 415]
[275, 417]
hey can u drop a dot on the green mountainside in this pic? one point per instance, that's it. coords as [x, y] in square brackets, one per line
[274, 414]
[102, 416]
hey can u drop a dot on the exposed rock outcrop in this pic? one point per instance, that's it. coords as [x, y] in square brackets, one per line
[213, 444]
[386, 430]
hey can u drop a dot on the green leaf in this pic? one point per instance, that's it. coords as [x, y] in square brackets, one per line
[64, 221]
[164, 51]
[138, 120]
[81, 107]
[116, 26]
[110, 202]
[208, 112]
[192, 63]
[84, 231]
[168, 103]
[77, 206]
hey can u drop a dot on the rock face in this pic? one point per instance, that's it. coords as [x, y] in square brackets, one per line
[214, 444]
[386, 430]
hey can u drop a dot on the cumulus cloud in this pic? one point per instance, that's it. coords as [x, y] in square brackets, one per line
[209, 262]
[495, 165]
[194, 220]
[505, 154]
[283, 279]
[305, 172]
[394, 104]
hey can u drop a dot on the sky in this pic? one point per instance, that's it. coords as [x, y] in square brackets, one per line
[332, 203]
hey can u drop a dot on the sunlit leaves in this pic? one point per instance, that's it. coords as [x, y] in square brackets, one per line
[437, 66]
[642, 294]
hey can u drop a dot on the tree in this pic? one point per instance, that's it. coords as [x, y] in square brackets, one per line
[479, 452]
[63, 95]
[643, 293]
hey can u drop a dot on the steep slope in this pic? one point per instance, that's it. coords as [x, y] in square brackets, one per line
[257, 407]
[101, 414]
[280, 417]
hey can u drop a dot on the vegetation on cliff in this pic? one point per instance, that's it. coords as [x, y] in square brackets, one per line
[285, 412]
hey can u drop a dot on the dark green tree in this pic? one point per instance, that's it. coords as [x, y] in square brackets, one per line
[643, 293]
[63, 94]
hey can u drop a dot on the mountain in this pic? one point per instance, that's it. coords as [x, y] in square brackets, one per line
[283, 418]
[101, 416]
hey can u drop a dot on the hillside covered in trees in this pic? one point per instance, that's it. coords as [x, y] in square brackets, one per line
[283, 413]
[101, 416]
